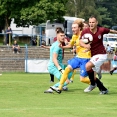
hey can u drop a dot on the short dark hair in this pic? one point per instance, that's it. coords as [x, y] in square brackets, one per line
[60, 31]
[58, 28]
[93, 16]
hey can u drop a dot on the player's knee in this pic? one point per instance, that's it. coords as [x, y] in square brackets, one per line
[89, 66]
[81, 80]
[68, 69]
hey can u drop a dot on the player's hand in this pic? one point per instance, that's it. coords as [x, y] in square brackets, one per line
[61, 70]
[88, 46]
[43, 46]
[86, 50]
[60, 46]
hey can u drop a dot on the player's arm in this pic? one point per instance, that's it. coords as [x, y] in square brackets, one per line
[47, 47]
[113, 31]
[55, 56]
[66, 47]
[87, 46]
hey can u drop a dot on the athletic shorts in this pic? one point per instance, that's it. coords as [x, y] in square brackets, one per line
[79, 63]
[98, 60]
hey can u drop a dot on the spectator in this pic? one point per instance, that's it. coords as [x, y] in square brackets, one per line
[15, 47]
[114, 63]
[108, 49]
[8, 34]
[34, 41]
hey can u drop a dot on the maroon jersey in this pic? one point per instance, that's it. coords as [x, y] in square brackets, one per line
[97, 46]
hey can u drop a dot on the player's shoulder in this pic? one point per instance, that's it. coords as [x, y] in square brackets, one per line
[102, 28]
[55, 43]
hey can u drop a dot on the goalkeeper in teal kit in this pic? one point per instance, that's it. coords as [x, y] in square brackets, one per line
[55, 65]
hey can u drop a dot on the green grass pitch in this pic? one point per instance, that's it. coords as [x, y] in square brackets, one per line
[21, 95]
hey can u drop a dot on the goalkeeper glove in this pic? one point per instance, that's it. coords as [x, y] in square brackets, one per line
[61, 70]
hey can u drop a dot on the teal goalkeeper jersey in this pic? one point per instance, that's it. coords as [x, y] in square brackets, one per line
[55, 49]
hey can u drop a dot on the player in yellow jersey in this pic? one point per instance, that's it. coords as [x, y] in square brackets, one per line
[81, 58]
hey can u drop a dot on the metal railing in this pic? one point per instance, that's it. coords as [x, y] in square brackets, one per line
[39, 39]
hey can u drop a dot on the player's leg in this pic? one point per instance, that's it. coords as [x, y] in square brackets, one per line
[111, 72]
[83, 72]
[85, 80]
[89, 66]
[56, 73]
[97, 63]
[72, 64]
[114, 64]
[64, 77]
[99, 74]
[72, 77]
[64, 88]
[51, 78]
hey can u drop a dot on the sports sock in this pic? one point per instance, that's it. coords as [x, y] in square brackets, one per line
[64, 77]
[57, 84]
[85, 80]
[114, 69]
[100, 85]
[52, 77]
[91, 77]
[72, 77]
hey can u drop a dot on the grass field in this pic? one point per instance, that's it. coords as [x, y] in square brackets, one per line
[21, 95]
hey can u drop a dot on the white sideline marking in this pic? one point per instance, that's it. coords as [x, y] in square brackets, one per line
[15, 109]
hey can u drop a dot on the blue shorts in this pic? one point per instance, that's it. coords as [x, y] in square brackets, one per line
[79, 63]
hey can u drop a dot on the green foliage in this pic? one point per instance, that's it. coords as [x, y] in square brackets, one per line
[32, 12]
[85, 8]
[105, 10]
[42, 12]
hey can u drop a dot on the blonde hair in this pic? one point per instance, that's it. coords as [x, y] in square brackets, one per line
[80, 23]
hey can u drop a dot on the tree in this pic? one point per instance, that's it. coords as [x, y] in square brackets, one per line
[31, 12]
[81, 8]
[107, 10]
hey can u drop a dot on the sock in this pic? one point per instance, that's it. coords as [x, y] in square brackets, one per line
[52, 77]
[72, 77]
[100, 85]
[64, 77]
[58, 84]
[91, 77]
[85, 80]
[114, 69]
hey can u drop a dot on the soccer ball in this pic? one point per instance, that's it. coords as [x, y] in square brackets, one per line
[87, 38]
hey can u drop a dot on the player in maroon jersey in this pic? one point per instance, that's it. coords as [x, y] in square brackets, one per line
[98, 53]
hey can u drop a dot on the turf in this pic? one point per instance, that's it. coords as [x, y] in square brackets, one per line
[21, 95]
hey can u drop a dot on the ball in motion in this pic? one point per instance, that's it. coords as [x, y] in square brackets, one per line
[87, 38]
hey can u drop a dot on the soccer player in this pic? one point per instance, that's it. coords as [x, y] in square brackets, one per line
[66, 41]
[114, 63]
[80, 60]
[86, 25]
[98, 53]
[55, 65]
